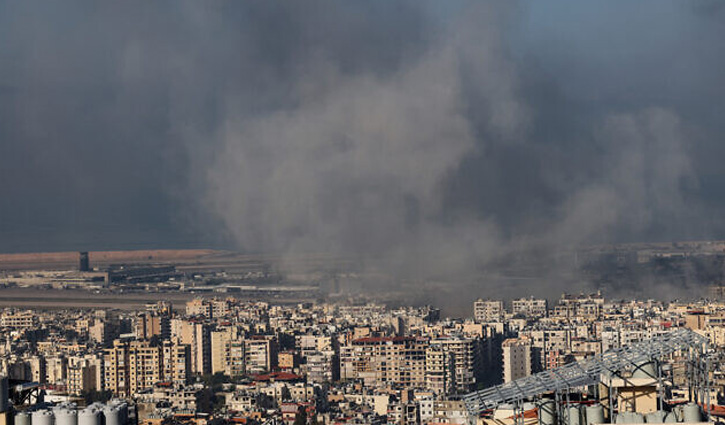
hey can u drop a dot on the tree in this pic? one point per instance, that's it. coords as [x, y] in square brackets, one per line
[301, 417]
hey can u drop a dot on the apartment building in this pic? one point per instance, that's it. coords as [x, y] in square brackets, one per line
[488, 311]
[465, 355]
[381, 361]
[516, 358]
[529, 307]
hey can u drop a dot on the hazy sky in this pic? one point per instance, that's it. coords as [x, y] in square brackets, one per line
[435, 133]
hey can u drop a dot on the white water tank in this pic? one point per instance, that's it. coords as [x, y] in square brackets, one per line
[637, 418]
[65, 416]
[573, 415]
[89, 416]
[594, 414]
[645, 370]
[629, 418]
[42, 417]
[656, 417]
[547, 412]
[691, 413]
[112, 416]
[22, 418]
[122, 407]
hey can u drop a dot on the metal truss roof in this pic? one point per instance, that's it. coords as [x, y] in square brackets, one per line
[583, 373]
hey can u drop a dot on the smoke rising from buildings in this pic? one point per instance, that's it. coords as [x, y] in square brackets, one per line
[426, 140]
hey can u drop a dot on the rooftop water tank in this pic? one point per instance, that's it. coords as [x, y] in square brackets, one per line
[656, 417]
[573, 415]
[637, 418]
[547, 412]
[112, 416]
[594, 414]
[691, 413]
[64, 416]
[645, 370]
[122, 407]
[42, 417]
[90, 416]
[22, 418]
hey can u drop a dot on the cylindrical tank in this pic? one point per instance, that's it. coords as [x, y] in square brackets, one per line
[4, 393]
[111, 415]
[122, 407]
[89, 416]
[637, 418]
[42, 417]
[645, 370]
[594, 414]
[691, 413]
[656, 417]
[547, 412]
[65, 416]
[573, 415]
[623, 418]
[22, 418]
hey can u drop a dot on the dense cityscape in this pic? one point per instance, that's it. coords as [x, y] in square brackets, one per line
[223, 357]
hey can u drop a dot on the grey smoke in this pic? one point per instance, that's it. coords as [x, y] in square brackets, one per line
[427, 139]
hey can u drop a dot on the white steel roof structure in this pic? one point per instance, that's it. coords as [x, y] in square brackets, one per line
[583, 373]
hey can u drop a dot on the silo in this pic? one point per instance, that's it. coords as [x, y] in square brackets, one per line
[42, 417]
[89, 416]
[645, 370]
[22, 418]
[547, 412]
[65, 416]
[4, 393]
[112, 416]
[594, 414]
[691, 413]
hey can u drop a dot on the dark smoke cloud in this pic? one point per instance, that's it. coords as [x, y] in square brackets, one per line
[426, 139]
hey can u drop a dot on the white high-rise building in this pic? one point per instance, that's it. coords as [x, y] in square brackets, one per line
[516, 358]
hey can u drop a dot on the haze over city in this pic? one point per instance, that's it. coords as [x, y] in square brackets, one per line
[431, 138]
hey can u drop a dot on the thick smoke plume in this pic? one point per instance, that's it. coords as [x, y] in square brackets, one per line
[443, 142]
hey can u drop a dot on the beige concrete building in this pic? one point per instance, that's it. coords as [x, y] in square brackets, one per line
[382, 361]
[84, 373]
[529, 307]
[488, 311]
[463, 352]
[516, 358]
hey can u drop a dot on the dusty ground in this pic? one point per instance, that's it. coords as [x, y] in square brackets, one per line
[55, 298]
[61, 299]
